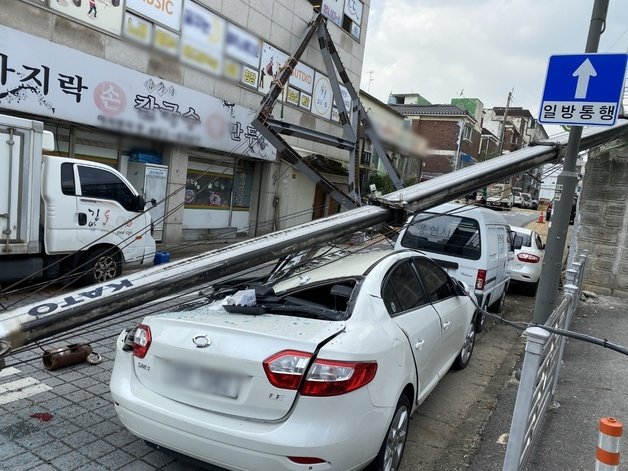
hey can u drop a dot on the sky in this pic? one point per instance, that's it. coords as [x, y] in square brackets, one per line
[443, 49]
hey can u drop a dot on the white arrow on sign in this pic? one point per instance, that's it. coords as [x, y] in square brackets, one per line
[584, 73]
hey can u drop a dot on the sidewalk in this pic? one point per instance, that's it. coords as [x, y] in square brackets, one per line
[593, 384]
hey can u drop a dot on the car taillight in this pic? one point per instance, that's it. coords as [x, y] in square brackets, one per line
[480, 281]
[141, 341]
[528, 258]
[285, 370]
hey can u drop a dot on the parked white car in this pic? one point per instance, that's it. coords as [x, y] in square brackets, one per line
[320, 372]
[528, 261]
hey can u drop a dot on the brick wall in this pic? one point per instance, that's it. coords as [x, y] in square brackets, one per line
[441, 135]
[603, 213]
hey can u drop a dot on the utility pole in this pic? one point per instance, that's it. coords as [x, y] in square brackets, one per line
[565, 190]
[502, 133]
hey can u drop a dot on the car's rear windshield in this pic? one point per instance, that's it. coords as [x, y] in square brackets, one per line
[444, 234]
[527, 239]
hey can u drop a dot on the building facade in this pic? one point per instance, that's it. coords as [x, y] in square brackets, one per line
[452, 132]
[403, 148]
[518, 130]
[175, 89]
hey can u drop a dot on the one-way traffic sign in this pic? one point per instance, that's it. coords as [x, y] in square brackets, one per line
[583, 89]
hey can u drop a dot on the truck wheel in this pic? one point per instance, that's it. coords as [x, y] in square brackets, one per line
[498, 307]
[101, 265]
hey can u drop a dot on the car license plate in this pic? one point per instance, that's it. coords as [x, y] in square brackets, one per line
[214, 382]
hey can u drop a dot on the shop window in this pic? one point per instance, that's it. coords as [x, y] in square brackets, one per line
[99, 183]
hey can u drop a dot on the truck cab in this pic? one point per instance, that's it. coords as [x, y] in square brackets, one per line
[92, 207]
[62, 217]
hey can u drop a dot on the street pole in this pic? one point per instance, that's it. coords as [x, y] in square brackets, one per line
[502, 134]
[565, 191]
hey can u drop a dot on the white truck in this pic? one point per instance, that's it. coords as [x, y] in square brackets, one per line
[62, 217]
[500, 195]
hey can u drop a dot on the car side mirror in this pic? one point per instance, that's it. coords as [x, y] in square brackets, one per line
[517, 242]
[140, 203]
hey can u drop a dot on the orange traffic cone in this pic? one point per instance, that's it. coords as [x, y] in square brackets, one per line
[540, 219]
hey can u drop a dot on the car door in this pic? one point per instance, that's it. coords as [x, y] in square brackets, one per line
[450, 308]
[409, 308]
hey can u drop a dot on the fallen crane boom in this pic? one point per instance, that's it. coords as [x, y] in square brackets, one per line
[33, 322]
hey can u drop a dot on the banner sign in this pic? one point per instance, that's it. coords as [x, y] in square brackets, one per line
[47, 79]
[103, 15]
[333, 9]
[323, 96]
[166, 41]
[202, 38]
[302, 77]
[138, 29]
[272, 60]
[166, 12]
[243, 46]
[353, 9]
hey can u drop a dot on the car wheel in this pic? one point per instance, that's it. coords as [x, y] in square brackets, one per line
[101, 265]
[530, 288]
[480, 321]
[391, 451]
[498, 307]
[467, 349]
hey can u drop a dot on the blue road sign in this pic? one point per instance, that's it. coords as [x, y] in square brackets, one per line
[583, 89]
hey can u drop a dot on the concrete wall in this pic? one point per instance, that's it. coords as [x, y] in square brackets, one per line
[603, 213]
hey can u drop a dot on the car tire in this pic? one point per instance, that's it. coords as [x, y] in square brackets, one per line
[463, 358]
[530, 288]
[498, 307]
[100, 265]
[391, 451]
[480, 321]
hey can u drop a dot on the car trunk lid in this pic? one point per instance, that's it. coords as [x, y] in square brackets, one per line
[213, 360]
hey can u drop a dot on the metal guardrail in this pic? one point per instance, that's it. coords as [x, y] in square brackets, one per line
[540, 371]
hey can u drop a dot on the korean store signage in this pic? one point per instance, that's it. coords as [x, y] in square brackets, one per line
[47, 79]
[243, 46]
[166, 12]
[323, 96]
[583, 89]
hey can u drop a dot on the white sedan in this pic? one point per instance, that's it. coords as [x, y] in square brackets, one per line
[526, 266]
[319, 372]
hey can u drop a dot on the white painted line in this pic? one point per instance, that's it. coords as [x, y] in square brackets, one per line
[8, 372]
[15, 385]
[24, 393]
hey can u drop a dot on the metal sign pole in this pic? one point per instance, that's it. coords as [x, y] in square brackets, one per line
[564, 196]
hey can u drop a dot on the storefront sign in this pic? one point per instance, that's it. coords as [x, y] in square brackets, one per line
[202, 38]
[272, 60]
[233, 70]
[137, 29]
[166, 41]
[166, 12]
[346, 98]
[47, 79]
[243, 46]
[333, 9]
[302, 77]
[292, 96]
[103, 15]
[323, 96]
[353, 9]
[250, 76]
[306, 101]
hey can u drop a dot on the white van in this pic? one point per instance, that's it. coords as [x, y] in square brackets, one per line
[474, 245]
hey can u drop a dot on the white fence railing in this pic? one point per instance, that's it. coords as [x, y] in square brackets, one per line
[539, 374]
